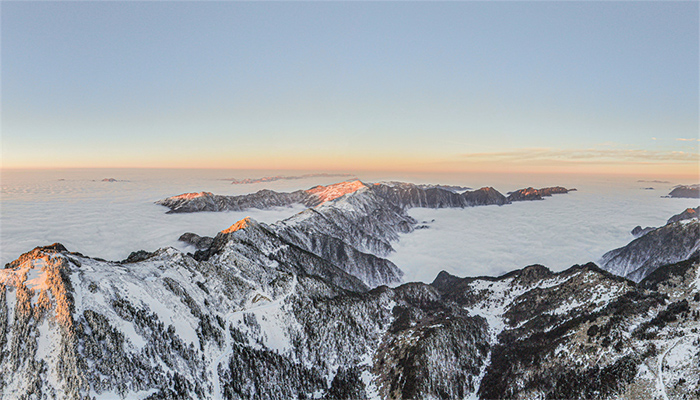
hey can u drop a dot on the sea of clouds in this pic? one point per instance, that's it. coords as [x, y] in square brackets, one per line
[111, 219]
[557, 232]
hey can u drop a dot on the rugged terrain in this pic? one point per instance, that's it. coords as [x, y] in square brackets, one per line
[237, 326]
[678, 240]
[271, 312]
[398, 193]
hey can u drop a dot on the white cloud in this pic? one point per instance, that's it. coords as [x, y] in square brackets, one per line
[557, 232]
[110, 220]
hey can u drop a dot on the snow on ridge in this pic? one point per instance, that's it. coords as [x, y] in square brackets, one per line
[242, 224]
[332, 192]
[190, 196]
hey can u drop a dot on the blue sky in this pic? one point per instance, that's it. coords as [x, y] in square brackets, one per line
[577, 86]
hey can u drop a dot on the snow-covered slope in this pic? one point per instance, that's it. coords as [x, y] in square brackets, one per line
[678, 240]
[287, 311]
[169, 326]
[247, 323]
[351, 224]
[205, 201]
[400, 194]
[584, 333]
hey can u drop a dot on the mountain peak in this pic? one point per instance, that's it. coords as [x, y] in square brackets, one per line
[190, 196]
[332, 192]
[242, 224]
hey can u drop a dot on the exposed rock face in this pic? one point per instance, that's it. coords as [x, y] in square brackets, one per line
[199, 242]
[536, 194]
[665, 245]
[248, 323]
[691, 191]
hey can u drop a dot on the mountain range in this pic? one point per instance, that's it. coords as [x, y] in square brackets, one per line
[309, 307]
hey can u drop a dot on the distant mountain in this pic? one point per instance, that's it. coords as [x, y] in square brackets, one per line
[676, 241]
[350, 224]
[536, 194]
[690, 191]
[405, 195]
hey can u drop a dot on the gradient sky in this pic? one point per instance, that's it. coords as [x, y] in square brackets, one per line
[505, 86]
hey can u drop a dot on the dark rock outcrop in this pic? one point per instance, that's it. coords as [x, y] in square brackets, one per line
[639, 231]
[199, 242]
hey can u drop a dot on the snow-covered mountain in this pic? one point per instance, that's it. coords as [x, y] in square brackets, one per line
[351, 224]
[297, 309]
[678, 240]
[405, 195]
[536, 194]
[243, 326]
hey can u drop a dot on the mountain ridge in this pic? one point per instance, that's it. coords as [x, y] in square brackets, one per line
[303, 308]
[241, 319]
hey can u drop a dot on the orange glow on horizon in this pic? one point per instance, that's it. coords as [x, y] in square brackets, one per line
[389, 163]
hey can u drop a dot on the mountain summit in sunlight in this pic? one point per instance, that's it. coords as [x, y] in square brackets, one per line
[331, 192]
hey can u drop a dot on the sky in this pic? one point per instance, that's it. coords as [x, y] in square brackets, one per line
[581, 87]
